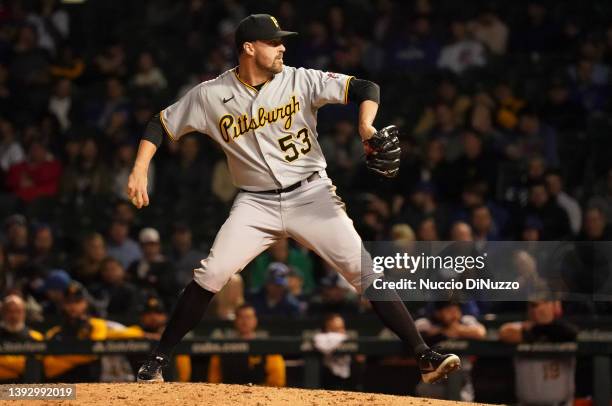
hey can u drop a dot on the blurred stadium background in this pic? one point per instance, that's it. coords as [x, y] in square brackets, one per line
[507, 135]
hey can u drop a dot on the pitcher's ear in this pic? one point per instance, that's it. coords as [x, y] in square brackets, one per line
[248, 48]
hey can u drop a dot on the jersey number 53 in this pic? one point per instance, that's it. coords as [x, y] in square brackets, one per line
[287, 144]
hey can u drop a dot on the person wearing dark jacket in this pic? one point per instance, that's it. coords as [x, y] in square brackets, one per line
[554, 218]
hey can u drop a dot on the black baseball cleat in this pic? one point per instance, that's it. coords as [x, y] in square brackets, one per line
[436, 366]
[151, 370]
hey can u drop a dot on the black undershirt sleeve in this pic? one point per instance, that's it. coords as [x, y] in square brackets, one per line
[154, 131]
[360, 90]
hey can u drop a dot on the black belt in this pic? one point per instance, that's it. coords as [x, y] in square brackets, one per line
[288, 189]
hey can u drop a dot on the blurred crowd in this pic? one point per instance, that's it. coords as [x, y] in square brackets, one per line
[505, 111]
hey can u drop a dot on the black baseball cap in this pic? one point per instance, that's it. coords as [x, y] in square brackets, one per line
[75, 292]
[153, 305]
[259, 27]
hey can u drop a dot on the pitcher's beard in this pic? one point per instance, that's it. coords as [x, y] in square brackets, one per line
[273, 69]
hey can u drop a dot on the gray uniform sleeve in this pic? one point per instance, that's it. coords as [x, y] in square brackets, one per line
[327, 87]
[188, 114]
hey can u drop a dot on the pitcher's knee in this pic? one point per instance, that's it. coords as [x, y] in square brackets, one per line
[212, 278]
[357, 271]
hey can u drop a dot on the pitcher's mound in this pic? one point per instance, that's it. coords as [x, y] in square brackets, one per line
[138, 394]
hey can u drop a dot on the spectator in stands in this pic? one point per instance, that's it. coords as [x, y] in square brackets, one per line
[317, 48]
[114, 111]
[462, 52]
[403, 236]
[13, 328]
[52, 24]
[554, 184]
[435, 167]
[475, 163]
[461, 231]
[603, 196]
[295, 286]
[587, 89]
[183, 256]
[77, 324]
[273, 299]
[125, 211]
[447, 321]
[281, 251]
[489, 29]
[62, 104]
[45, 253]
[11, 152]
[447, 93]
[224, 304]
[54, 287]
[536, 33]
[423, 204]
[266, 370]
[446, 130]
[17, 239]
[112, 62]
[531, 229]
[115, 296]
[481, 120]
[594, 226]
[120, 245]
[553, 217]
[30, 63]
[153, 271]
[93, 251]
[67, 65]
[149, 76]
[335, 296]
[336, 368]
[533, 138]
[427, 230]
[38, 176]
[88, 177]
[542, 381]
[561, 111]
[508, 105]
[416, 49]
[483, 225]
[518, 192]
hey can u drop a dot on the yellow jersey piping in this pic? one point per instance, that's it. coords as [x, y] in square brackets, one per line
[161, 116]
[346, 89]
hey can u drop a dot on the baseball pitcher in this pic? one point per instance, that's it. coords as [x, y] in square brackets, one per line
[264, 116]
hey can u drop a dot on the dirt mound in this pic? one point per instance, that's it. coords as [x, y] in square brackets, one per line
[109, 394]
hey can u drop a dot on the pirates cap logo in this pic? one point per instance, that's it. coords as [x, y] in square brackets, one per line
[275, 22]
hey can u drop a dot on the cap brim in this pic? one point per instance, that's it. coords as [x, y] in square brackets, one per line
[282, 34]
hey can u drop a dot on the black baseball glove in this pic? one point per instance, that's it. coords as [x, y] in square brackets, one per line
[383, 152]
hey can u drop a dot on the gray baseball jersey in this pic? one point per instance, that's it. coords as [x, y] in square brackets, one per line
[270, 140]
[269, 136]
[545, 381]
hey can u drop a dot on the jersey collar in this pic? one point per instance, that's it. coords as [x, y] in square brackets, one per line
[235, 70]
